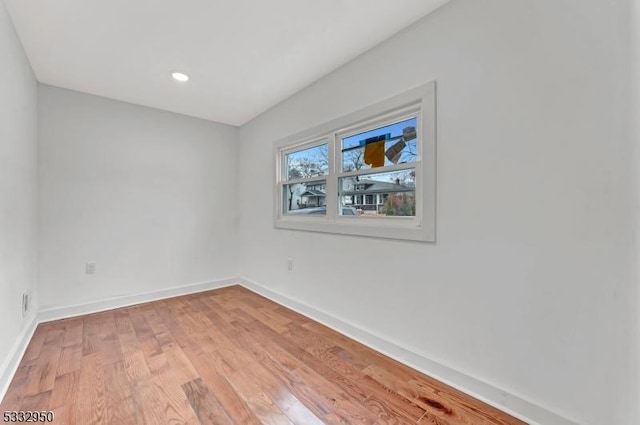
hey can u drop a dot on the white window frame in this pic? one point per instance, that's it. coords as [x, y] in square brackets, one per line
[419, 102]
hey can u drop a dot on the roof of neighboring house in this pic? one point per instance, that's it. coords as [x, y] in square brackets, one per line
[312, 192]
[377, 185]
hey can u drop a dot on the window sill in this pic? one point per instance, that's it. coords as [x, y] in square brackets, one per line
[398, 231]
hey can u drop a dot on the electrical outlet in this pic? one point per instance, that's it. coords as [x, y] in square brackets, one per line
[90, 268]
[289, 264]
[25, 303]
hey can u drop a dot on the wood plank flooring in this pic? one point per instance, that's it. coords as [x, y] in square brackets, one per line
[227, 356]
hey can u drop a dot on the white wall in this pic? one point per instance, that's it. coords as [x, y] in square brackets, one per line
[148, 195]
[634, 374]
[18, 186]
[530, 284]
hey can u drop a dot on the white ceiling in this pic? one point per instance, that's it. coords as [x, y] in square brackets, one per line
[243, 56]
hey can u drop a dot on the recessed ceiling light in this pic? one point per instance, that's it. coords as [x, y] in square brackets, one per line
[180, 76]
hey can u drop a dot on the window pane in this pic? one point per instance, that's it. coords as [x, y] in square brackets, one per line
[308, 162]
[379, 195]
[391, 144]
[305, 198]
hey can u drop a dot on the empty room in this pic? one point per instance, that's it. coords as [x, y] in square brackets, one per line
[303, 212]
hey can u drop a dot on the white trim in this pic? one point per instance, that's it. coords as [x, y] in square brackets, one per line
[509, 403]
[12, 361]
[65, 312]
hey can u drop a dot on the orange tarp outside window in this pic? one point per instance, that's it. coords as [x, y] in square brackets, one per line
[374, 154]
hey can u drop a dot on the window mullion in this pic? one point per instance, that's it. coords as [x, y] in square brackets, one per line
[332, 180]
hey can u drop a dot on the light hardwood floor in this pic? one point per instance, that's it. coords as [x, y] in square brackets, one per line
[227, 356]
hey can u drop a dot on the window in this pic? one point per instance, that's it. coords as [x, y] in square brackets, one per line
[370, 173]
[303, 193]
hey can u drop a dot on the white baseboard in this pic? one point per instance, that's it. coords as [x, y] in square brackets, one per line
[509, 403]
[512, 404]
[12, 361]
[57, 313]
